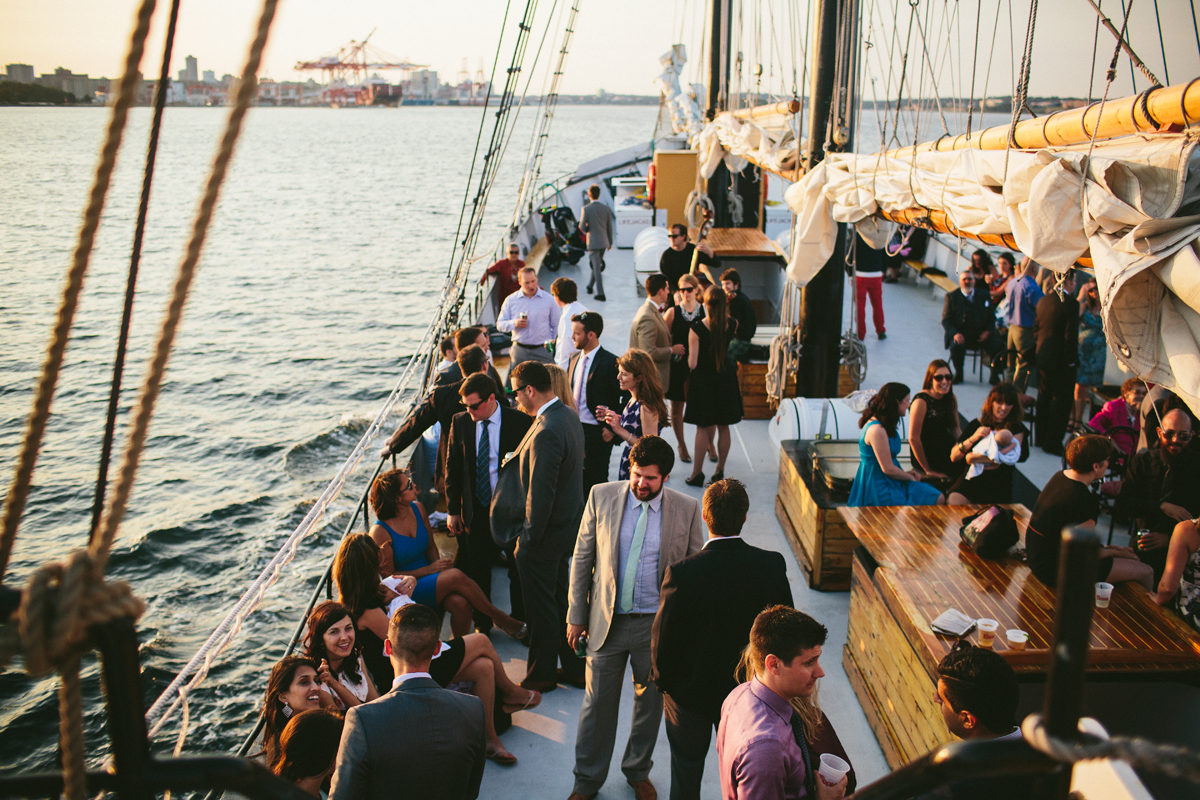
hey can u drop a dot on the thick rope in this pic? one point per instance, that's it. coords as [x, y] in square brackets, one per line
[35, 427]
[1178, 762]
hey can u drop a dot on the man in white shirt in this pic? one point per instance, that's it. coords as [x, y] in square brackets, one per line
[449, 353]
[593, 378]
[531, 316]
[566, 295]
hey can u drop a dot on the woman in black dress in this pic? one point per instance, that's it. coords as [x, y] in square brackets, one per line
[1001, 410]
[714, 400]
[679, 319]
[933, 426]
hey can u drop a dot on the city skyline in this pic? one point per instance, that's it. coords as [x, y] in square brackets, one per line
[607, 51]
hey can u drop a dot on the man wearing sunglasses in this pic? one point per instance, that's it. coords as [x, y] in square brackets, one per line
[677, 259]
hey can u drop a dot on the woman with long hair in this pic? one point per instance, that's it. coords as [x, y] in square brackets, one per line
[293, 687]
[933, 425]
[331, 644]
[561, 385]
[688, 309]
[402, 532]
[880, 481]
[714, 400]
[308, 749]
[356, 571]
[646, 410]
[1001, 411]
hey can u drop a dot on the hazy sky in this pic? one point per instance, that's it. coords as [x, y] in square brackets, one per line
[617, 42]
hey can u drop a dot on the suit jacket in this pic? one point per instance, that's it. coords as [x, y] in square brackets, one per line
[705, 610]
[1056, 325]
[594, 568]
[460, 460]
[440, 405]
[602, 386]
[541, 503]
[968, 317]
[453, 374]
[649, 332]
[417, 742]
[596, 220]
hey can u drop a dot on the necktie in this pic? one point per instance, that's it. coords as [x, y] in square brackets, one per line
[810, 782]
[635, 555]
[583, 359]
[483, 463]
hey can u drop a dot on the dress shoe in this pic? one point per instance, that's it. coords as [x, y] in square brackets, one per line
[882, 335]
[578, 796]
[539, 686]
[589, 288]
[601, 298]
[644, 790]
[578, 683]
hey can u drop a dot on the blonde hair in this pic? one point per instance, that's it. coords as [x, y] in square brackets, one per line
[561, 385]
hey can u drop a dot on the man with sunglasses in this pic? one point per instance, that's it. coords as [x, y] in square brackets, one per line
[506, 271]
[1161, 488]
[677, 259]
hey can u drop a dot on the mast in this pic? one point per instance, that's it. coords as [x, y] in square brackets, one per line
[735, 196]
[718, 58]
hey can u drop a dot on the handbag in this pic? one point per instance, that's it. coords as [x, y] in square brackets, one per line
[990, 533]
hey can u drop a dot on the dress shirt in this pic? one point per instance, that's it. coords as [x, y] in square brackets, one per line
[549, 403]
[645, 582]
[1022, 295]
[579, 388]
[410, 675]
[712, 539]
[756, 749]
[565, 348]
[445, 365]
[493, 444]
[543, 318]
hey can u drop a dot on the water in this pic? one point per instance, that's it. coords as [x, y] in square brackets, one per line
[323, 265]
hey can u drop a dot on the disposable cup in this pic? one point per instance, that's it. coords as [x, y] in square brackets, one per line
[832, 769]
[1017, 639]
[987, 631]
[1103, 594]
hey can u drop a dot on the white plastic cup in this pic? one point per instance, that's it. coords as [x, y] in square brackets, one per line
[987, 631]
[832, 769]
[1103, 594]
[1017, 639]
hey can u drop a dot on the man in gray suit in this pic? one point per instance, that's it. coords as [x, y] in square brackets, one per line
[631, 533]
[649, 330]
[542, 510]
[597, 223]
[417, 741]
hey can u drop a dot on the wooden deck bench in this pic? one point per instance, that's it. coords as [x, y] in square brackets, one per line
[932, 274]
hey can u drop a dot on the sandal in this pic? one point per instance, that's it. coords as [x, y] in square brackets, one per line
[535, 697]
[500, 756]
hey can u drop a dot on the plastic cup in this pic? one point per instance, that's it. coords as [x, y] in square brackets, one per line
[987, 631]
[1017, 639]
[832, 769]
[1103, 594]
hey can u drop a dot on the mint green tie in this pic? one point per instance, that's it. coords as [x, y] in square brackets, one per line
[635, 555]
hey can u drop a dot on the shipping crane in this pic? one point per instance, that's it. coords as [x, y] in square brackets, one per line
[344, 72]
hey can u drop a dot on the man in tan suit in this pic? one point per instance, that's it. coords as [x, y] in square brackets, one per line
[649, 331]
[631, 533]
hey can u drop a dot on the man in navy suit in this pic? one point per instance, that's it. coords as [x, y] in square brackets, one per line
[471, 480]
[593, 378]
[707, 605]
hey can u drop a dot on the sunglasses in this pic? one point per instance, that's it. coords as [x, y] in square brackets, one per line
[473, 406]
[687, 289]
[945, 377]
[1178, 436]
[675, 235]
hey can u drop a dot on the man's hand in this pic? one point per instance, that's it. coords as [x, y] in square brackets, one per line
[1177, 513]
[573, 634]
[1153, 541]
[704, 248]
[454, 523]
[678, 349]
[521, 322]
[835, 792]
[959, 339]
[983, 336]
[606, 435]
[385, 451]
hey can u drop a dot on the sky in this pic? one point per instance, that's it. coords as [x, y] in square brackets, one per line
[617, 43]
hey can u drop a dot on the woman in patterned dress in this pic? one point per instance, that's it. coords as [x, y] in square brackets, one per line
[646, 409]
[1180, 584]
[1093, 349]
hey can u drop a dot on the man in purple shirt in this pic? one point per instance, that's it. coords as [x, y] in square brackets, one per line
[762, 742]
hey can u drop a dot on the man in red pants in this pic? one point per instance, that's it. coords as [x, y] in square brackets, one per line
[868, 280]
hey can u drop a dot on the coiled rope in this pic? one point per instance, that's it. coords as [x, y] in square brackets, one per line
[1178, 762]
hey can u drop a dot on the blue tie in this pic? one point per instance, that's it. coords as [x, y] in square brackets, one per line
[635, 555]
[483, 462]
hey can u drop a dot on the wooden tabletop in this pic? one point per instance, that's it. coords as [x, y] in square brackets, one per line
[923, 571]
[741, 242]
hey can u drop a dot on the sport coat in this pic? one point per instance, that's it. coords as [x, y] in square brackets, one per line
[453, 373]
[706, 608]
[594, 569]
[417, 742]
[596, 220]
[649, 332]
[968, 317]
[602, 386]
[541, 501]
[1056, 326]
[460, 460]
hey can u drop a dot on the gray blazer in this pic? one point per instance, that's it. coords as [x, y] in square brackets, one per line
[597, 223]
[542, 503]
[597, 552]
[649, 332]
[418, 741]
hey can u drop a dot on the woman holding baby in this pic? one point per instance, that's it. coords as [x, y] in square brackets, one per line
[991, 446]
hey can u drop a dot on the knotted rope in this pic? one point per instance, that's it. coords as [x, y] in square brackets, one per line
[1178, 762]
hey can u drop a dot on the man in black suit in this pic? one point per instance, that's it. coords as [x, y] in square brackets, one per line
[969, 320]
[593, 378]
[418, 740]
[1056, 327]
[479, 438]
[464, 338]
[696, 643]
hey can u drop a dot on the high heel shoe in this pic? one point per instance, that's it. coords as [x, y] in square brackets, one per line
[685, 458]
[698, 480]
[719, 475]
[712, 457]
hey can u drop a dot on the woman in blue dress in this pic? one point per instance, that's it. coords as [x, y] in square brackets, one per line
[1093, 349]
[406, 548]
[880, 481]
[646, 409]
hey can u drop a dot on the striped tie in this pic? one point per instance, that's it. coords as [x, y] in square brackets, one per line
[483, 462]
[635, 555]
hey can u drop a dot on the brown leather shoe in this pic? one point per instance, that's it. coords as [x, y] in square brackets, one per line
[644, 790]
[539, 686]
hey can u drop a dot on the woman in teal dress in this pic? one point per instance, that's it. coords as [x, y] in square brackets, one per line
[406, 548]
[880, 481]
[1093, 349]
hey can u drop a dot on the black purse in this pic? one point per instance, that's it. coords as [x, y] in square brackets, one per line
[990, 533]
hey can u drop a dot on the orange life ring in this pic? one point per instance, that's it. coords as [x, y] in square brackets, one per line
[651, 183]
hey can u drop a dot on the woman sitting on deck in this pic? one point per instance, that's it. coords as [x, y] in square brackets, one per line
[333, 646]
[308, 749]
[1066, 501]
[403, 535]
[1001, 410]
[292, 688]
[1180, 584]
[646, 411]
[933, 426]
[1123, 411]
[880, 481]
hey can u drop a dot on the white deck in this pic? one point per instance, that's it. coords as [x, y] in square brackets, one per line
[544, 739]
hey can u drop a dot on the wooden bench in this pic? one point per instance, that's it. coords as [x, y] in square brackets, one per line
[911, 569]
[812, 522]
[933, 274]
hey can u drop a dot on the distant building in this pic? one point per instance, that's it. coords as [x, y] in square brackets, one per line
[422, 85]
[210, 76]
[190, 72]
[81, 86]
[21, 73]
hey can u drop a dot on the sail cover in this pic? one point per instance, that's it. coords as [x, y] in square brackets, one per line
[1139, 218]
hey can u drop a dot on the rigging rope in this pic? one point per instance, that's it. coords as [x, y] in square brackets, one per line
[1178, 762]
[1022, 87]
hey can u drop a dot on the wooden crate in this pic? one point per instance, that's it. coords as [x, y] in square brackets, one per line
[819, 537]
[752, 382]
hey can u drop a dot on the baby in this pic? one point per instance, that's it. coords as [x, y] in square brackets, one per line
[999, 446]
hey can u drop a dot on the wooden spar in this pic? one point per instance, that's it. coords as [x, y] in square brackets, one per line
[780, 109]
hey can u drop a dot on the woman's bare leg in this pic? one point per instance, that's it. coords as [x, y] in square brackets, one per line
[703, 439]
[479, 673]
[677, 426]
[455, 581]
[1081, 399]
[1130, 569]
[956, 499]
[460, 614]
[479, 646]
[722, 446]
